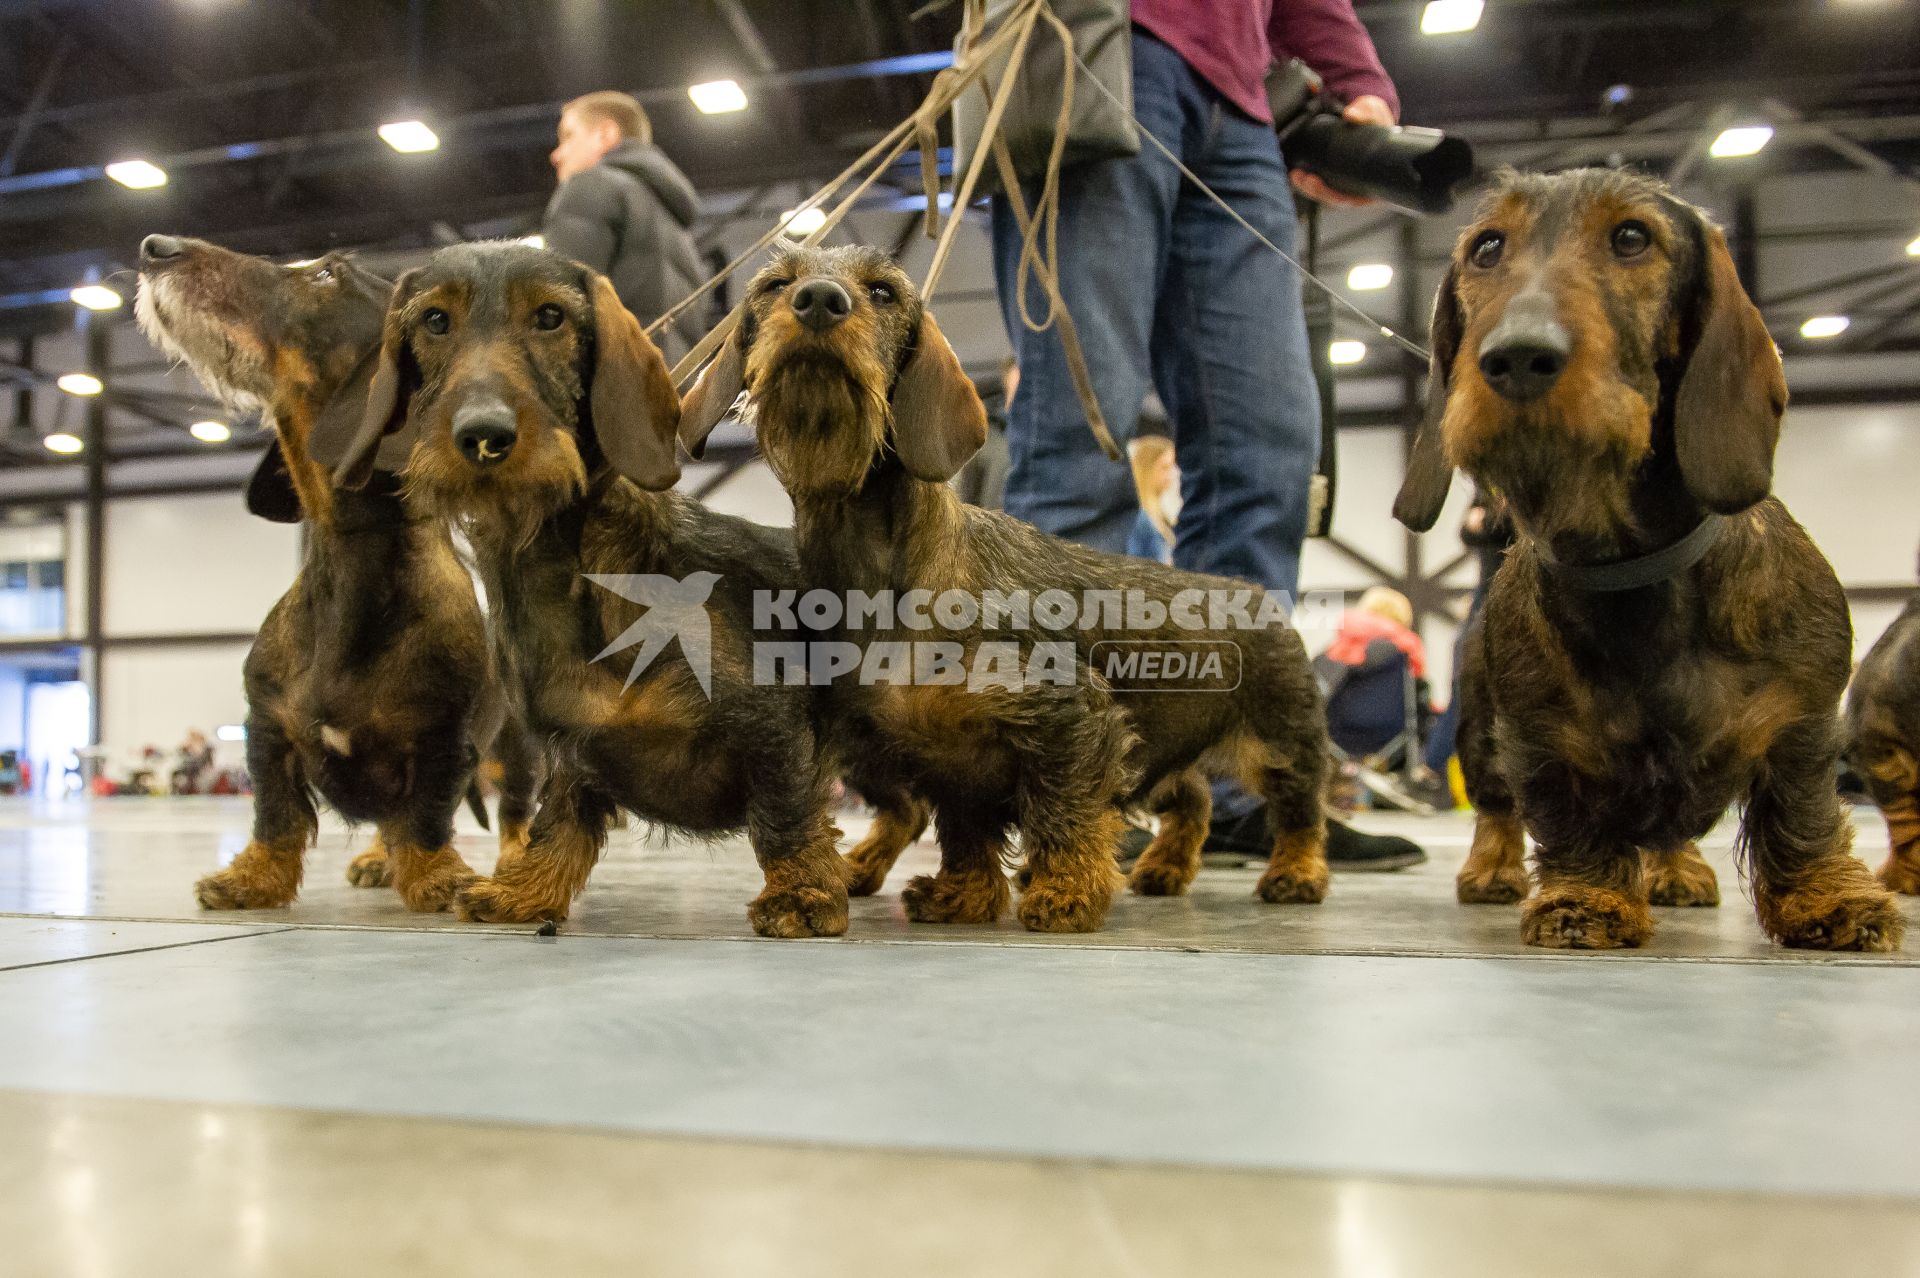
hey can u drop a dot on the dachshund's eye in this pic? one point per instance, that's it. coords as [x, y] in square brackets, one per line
[548, 318]
[1486, 250]
[1631, 239]
[774, 287]
[435, 321]
[882, 294]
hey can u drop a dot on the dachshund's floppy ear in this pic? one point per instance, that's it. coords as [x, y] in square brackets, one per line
[1424, 490]
[634, 407]
[713, 395]
[938, 419]
[1726, 412]
[270, 493]
[363, 427]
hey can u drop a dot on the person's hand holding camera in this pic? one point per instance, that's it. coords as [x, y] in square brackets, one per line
[1368, 108]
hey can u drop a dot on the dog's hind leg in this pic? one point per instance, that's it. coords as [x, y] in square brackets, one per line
[1808, 889]
[1495, 872]
[373, 868]
[266, 874]
[426, 870]
[519, 759]
[1167, 866]
[1591, 896]
[1681, 878]
[1901, 872]
[898, 819]
[970, 886]
[1289, 769]
[563, 845]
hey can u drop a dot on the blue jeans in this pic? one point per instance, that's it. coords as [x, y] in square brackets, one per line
[1166, 288]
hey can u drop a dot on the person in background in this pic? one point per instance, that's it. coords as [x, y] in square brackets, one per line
[1176, 293]
[1382, 613]
[624, 209]
[1156, 481]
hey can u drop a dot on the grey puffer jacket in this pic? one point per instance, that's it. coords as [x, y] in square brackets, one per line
[627, 217]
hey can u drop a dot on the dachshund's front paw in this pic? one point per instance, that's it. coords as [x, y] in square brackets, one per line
[1901, 873]
[975, 896]
[257, 879]
[1047, 907]
[1684, 878]
[1290, 885]
[484, 900]
[1495, 884]
[428, 881]
[1864, 919]
[371, 869]
[1160, 878]
[864, 870]
[799, 911]
[1583, 918]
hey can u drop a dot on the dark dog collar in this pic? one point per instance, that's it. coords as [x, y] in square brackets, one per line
[1641, 570]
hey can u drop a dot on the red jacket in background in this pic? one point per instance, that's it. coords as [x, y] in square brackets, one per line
[1358, 629]
[1233, 43]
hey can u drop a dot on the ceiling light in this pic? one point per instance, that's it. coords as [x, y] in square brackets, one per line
[1744, 140]
[97, 297]
[210, 432]
[137, 174]
[409, 137]
[1913, 249]
[1450, 17]
[61, 442]
[231, 732]
[534, 241]
[716, 97]
[1365, 277]
[79, 384]
[1347, 352]
[800, 223]
[1823, 326]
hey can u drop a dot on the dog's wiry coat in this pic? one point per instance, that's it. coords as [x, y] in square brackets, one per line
[364, 681]
[1618, 726]
[584, 418]
[1883, 742]
[861, 421]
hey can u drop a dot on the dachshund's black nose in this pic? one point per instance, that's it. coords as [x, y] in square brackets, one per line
[821, 304]
[1525, 353]
[161, 248]
[484, 433]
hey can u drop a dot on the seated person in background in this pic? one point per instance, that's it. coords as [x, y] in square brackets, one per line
[1383, 613]
[1157, 481]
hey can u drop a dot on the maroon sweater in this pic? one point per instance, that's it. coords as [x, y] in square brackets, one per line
[1232, 43]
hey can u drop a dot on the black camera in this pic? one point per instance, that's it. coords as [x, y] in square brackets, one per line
[1416, 169]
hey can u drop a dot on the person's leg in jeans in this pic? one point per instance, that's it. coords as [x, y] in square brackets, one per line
[1115, 219]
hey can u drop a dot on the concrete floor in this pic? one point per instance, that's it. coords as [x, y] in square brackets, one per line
[1385, 1085]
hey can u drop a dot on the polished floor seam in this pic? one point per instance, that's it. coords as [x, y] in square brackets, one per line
[143, 949]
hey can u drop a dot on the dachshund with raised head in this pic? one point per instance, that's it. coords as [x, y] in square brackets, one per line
[864, 413]
[366, 682]
[1883, 742]
[1663, 639]
[542, 421]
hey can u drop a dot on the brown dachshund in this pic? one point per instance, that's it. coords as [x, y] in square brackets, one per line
[864, 413]
[366, 680]
[542, 420]
[1663, 640]
[1883, 742]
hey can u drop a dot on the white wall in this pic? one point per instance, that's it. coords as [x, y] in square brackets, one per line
[195, 564]
[154, 694]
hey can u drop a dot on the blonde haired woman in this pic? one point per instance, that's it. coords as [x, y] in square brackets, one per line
[1156, 480]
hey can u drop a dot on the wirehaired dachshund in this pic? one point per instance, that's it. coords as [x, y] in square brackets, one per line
[1883, 742]
[365, 683]
[1663, 639]
[864, 413]
[542, 421]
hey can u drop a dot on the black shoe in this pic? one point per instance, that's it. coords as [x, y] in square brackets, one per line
[1245, 838]
[1348, 849]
